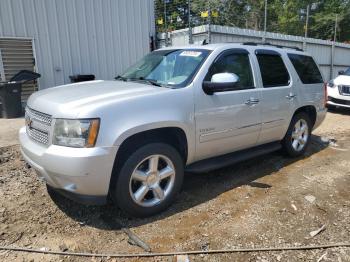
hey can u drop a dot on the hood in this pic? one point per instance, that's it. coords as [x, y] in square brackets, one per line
[342, 80]
[69, 100]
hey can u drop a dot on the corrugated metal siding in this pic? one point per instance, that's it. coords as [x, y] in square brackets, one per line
[17, 55]
[101, 37]
[320, 49]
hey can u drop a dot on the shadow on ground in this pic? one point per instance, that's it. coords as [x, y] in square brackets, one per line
[339, 110]
[197, 189]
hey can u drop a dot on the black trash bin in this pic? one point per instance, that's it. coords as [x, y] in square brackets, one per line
[81, 78]
[10, 98]
[25, 76]
[10, 93]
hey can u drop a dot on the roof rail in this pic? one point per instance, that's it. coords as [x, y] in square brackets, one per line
[269, 44]
[250, 43]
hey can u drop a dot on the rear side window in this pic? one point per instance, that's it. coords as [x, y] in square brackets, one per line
[273, 70]
[306, 68]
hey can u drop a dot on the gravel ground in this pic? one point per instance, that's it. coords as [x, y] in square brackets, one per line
[9, 131]
[264, 202]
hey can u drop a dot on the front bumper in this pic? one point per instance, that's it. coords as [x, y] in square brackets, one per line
[82, 199]
[78, 173]
[338, 102]
[336, 99]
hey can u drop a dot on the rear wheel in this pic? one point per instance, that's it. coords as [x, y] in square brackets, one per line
[149, 180]
[298, 135]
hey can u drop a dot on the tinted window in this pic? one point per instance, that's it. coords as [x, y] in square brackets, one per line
[273, 71]
[306, 68]
[238, 64]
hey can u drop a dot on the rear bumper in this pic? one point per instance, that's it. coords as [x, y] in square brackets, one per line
[320, 116]
[79, 173]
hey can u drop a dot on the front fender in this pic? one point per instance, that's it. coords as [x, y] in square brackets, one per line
[173, 108]
[165, 124]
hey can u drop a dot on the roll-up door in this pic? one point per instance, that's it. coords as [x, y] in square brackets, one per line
[16, 55]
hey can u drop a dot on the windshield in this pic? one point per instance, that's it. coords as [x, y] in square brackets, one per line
[347, 72]
[167, 67]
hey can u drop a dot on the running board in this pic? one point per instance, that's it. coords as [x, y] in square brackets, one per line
[214, 163]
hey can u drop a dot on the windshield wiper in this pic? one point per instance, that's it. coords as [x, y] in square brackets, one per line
[149, 81]
[119, 77]
[153, 82]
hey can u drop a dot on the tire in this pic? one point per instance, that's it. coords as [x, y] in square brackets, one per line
[296, 142]
[142, 171]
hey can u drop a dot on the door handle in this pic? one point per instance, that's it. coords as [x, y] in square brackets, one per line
[252, 101]
[291, 96]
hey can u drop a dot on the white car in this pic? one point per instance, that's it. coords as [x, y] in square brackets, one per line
[338, 90]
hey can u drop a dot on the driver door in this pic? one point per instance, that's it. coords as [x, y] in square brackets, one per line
[230, 120]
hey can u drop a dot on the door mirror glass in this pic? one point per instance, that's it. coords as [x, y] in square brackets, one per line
[225, 78]
[341, 72]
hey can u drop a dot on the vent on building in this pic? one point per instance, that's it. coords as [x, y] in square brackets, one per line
[15, 55]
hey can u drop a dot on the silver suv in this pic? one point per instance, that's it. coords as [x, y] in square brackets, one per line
[184, 109]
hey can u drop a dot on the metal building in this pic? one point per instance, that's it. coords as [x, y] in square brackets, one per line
[330, 56]
[60, 38]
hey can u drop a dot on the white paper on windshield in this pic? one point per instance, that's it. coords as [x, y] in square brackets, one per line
[191, 53]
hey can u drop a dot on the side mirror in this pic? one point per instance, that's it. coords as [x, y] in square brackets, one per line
[220, 82]
[341, 72]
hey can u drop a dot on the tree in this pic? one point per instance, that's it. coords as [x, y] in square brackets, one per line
[323, 20]
[344, 25]
[284, 16]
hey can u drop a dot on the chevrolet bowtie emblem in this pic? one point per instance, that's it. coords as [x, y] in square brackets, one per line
[29, 123]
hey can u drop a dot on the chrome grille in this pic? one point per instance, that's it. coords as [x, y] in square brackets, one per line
[344, 90]
[38, 116]
[38, 125]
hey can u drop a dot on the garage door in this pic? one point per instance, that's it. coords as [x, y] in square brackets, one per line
[16, 55]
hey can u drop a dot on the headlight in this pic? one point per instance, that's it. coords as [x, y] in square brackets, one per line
[331, 84]
[76, 133]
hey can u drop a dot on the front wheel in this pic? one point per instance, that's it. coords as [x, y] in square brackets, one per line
[149, 180]
[298, 135]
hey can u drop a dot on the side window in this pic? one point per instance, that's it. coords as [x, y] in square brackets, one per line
[306, 68]
[273, 70]
[237, 63]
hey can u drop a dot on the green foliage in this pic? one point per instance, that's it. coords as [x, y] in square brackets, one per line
[323, 20]
[284, 16]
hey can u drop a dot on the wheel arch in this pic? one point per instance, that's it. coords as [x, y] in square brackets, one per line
[310, 110]
[172, 135]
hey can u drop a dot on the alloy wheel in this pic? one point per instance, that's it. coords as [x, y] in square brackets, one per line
[152, 180]
[300, 135]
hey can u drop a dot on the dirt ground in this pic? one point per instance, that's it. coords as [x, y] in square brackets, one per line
[264, 202]
[9, 131]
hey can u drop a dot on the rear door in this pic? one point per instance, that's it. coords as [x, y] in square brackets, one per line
[231, 120]
[278, 95]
